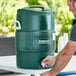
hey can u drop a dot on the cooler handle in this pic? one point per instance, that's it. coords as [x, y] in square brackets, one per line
[37, 7]
[17, 25]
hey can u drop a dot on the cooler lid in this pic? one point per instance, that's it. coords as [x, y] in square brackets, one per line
[35, 10]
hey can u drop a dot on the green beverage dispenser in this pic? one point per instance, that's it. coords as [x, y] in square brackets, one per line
[34, 39]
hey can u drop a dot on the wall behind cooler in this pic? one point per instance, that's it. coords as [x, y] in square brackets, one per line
[6, 48]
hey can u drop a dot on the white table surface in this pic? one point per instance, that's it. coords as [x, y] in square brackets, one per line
[9, 63]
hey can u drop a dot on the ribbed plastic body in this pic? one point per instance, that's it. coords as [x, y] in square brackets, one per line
[34, 38]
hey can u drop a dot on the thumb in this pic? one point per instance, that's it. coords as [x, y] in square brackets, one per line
[45, 61]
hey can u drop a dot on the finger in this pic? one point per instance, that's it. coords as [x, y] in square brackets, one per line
[45, 64]
[46, 59]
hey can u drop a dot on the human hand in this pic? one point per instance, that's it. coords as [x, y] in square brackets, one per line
[49, 60]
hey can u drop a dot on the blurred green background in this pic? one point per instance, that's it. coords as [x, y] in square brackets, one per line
[8, 10]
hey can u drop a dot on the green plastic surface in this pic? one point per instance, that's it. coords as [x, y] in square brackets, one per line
[34, 40]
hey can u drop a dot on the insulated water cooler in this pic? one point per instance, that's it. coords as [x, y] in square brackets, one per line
[34, 38]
